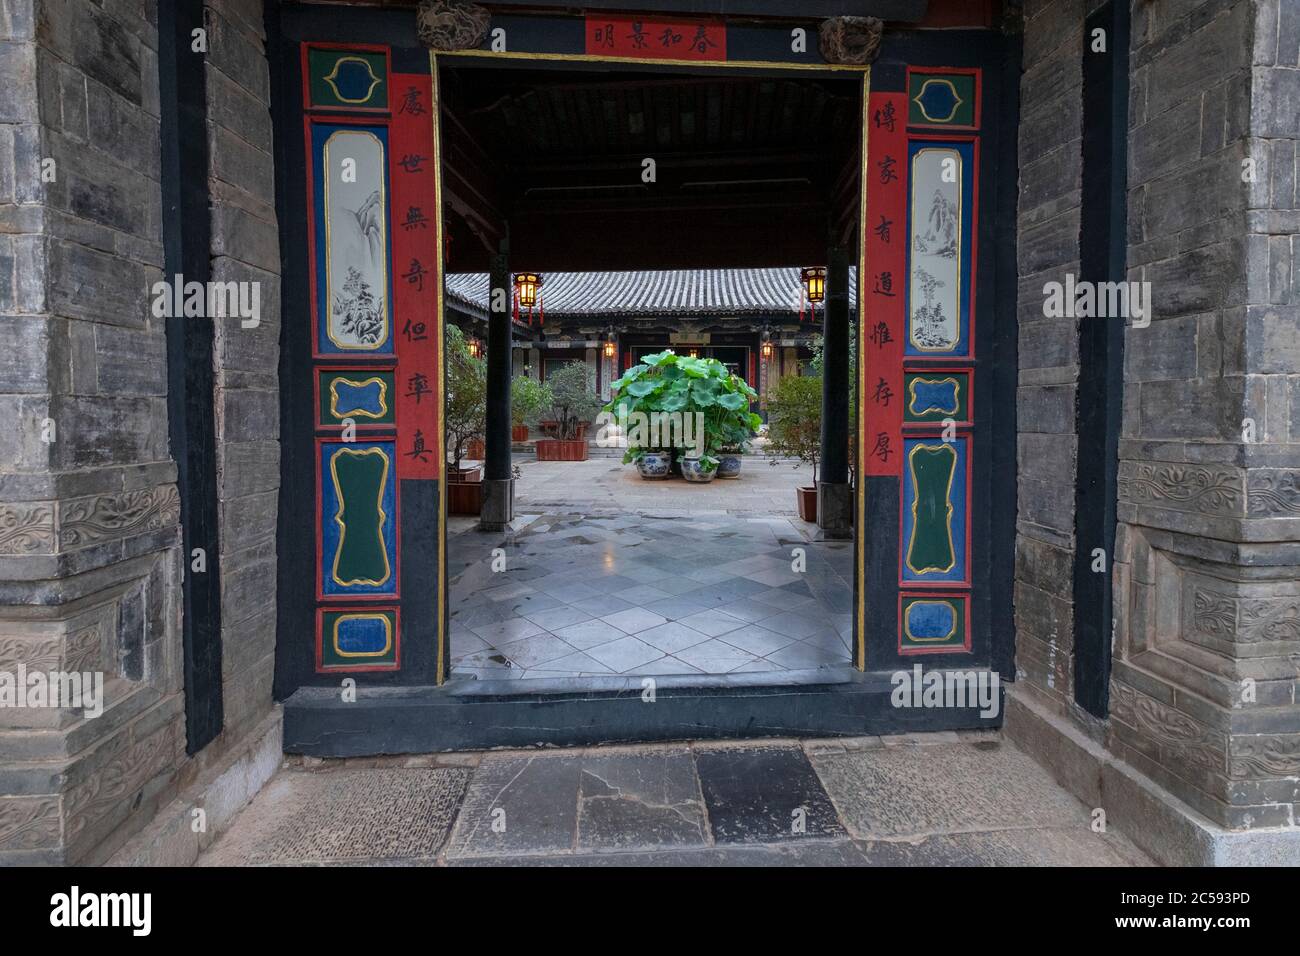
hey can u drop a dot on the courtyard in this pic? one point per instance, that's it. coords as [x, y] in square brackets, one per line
[606, 575]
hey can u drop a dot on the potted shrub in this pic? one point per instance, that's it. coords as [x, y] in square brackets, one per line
[464, 418]
[795, 430]
[573, 404]
[528, 398]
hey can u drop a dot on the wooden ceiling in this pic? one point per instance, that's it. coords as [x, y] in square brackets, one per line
[749, 171]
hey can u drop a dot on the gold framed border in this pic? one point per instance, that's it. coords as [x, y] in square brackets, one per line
[911, 393]
[860, 648]
[909, 603]
[360, 412]
[435, 123]
[649, 66]
[343, 528]
[326, 186]
[916, 497]
[961, 228]
[374, 80]
[942, 81]
[388, 634]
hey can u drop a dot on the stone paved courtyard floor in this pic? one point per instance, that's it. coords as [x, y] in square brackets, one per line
[946, 799]
[766, 486]
[606, 574]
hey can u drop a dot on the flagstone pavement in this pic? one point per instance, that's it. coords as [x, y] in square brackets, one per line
[944, 799]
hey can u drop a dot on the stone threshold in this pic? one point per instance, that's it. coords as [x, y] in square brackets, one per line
[485, 715]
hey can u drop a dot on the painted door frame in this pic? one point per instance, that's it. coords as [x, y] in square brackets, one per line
[998, 59]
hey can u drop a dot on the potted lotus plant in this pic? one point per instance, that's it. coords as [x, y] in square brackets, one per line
[697, 392]
[573, 404]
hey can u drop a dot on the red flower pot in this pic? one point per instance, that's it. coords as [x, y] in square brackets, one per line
[807, 503]
[464, 497]
[557, 449]
[519, 433]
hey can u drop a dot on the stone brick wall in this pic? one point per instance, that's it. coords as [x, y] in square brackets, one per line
[1208, 580]
[90, 563]
[245, 247]
[1207, 564]
[1050, 146]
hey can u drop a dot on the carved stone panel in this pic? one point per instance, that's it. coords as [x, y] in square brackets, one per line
[1199, 489]
[88, 521]
[27, 528]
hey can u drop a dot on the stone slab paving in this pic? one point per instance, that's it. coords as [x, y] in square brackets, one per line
[927, 800]
[565, 595]
[345, 816]
[766, 486]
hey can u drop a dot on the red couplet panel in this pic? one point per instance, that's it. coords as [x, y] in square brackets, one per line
[883, 287]
[417, 284]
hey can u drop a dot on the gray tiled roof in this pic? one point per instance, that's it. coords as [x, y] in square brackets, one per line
[681, 292]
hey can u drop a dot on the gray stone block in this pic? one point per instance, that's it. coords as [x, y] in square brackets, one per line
[1049, 410]
[1275, 103]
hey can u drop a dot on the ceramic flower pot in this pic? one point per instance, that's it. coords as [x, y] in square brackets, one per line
[655, 465]
[693, 470]
[729, 466]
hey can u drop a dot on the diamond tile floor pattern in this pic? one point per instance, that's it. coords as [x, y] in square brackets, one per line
[647, 594]
[929, 800]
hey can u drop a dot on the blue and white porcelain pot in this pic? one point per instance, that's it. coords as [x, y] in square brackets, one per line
[694, 470]
[655, 464]
[728, 466]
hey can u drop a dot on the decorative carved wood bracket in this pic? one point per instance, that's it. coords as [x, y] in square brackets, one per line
[850, 41]
[446, 25]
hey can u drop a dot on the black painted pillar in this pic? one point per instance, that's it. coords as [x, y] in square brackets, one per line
[498, 483]
[834, 501]
[191, 419]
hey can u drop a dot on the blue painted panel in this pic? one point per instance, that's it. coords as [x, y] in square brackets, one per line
[367, 397]
[934, 396]
[930, 620]
[363, 635]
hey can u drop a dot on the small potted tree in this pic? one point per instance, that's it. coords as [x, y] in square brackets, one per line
[464, 417]
[573, 405]
[528, 399]
[795, 430]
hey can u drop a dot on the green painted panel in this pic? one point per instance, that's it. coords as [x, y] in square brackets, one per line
[941, 99]
[348, 79]
[360, 479]
[931, 470]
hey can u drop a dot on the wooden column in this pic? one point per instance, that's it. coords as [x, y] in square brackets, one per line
[834, 503]
[498, 483]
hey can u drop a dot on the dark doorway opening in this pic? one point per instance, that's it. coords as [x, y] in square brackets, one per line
[680, 180]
